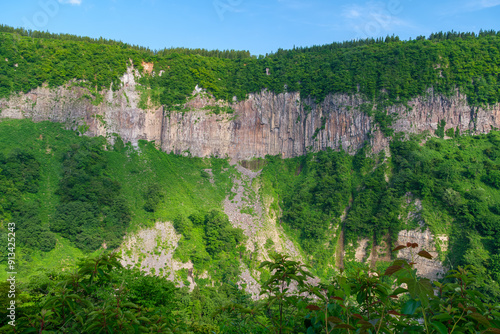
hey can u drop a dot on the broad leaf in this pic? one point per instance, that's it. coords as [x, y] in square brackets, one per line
[399, 290]
[440, 327]
[410, 307]
[479, 318]
[313, 307]
[425, 254]
[392, 269]
[399, 247]
[334, 320]
[395, 313]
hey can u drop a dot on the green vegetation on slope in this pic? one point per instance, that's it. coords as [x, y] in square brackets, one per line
[457, 181]
[316, 190]
[19, 178]
[457, 178]
[69, 192]
[91, 211]
[212, 244]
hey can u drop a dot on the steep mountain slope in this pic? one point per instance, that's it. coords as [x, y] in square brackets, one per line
[352, 136]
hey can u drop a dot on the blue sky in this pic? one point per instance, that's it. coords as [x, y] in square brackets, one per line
[260, 26]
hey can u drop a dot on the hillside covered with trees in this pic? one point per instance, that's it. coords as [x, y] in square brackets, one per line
[384, 70]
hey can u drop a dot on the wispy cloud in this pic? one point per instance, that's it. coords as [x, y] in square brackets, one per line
[71, 2]
[489, 3]
[469, 6]
[374, 18]
[352, 13]
[296, 4]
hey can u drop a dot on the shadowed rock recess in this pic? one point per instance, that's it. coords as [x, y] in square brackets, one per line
[264, 124]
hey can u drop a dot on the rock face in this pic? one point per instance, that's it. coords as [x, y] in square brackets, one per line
[151, 250]
[432, 269]
[265, 123]
[118, 113]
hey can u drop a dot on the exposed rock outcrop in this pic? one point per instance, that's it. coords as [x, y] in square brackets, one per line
[265, 123]
[432, 269]
[422, 235]
[151, 250]
[72, 105]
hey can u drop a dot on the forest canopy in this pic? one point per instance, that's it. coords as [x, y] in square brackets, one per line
[384, 71]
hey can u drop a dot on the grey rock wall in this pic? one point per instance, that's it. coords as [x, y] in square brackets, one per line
[265, 123]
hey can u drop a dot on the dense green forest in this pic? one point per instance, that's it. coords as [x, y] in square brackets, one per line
[101, 297]
[231, 54]
[456, 179]
[384, 71]
[69, 194]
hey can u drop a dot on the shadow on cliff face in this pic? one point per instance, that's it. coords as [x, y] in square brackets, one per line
[254, 165]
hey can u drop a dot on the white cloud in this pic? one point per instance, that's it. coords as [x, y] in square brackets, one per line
[72, 2]
[489, 3]
[471, 6]
[296, 4]
[374, 18]
[352, 13]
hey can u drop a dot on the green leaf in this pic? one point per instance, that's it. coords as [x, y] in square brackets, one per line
[334, 320]
[398, 291]
[479, 318]
[440, 327]
[421, 288]
[129, 304]
[442, 317]
[410, 307]
[361, 297]
[399, 262]
[263, 264]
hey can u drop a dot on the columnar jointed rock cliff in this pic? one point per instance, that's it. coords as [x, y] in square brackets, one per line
[265, 123]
